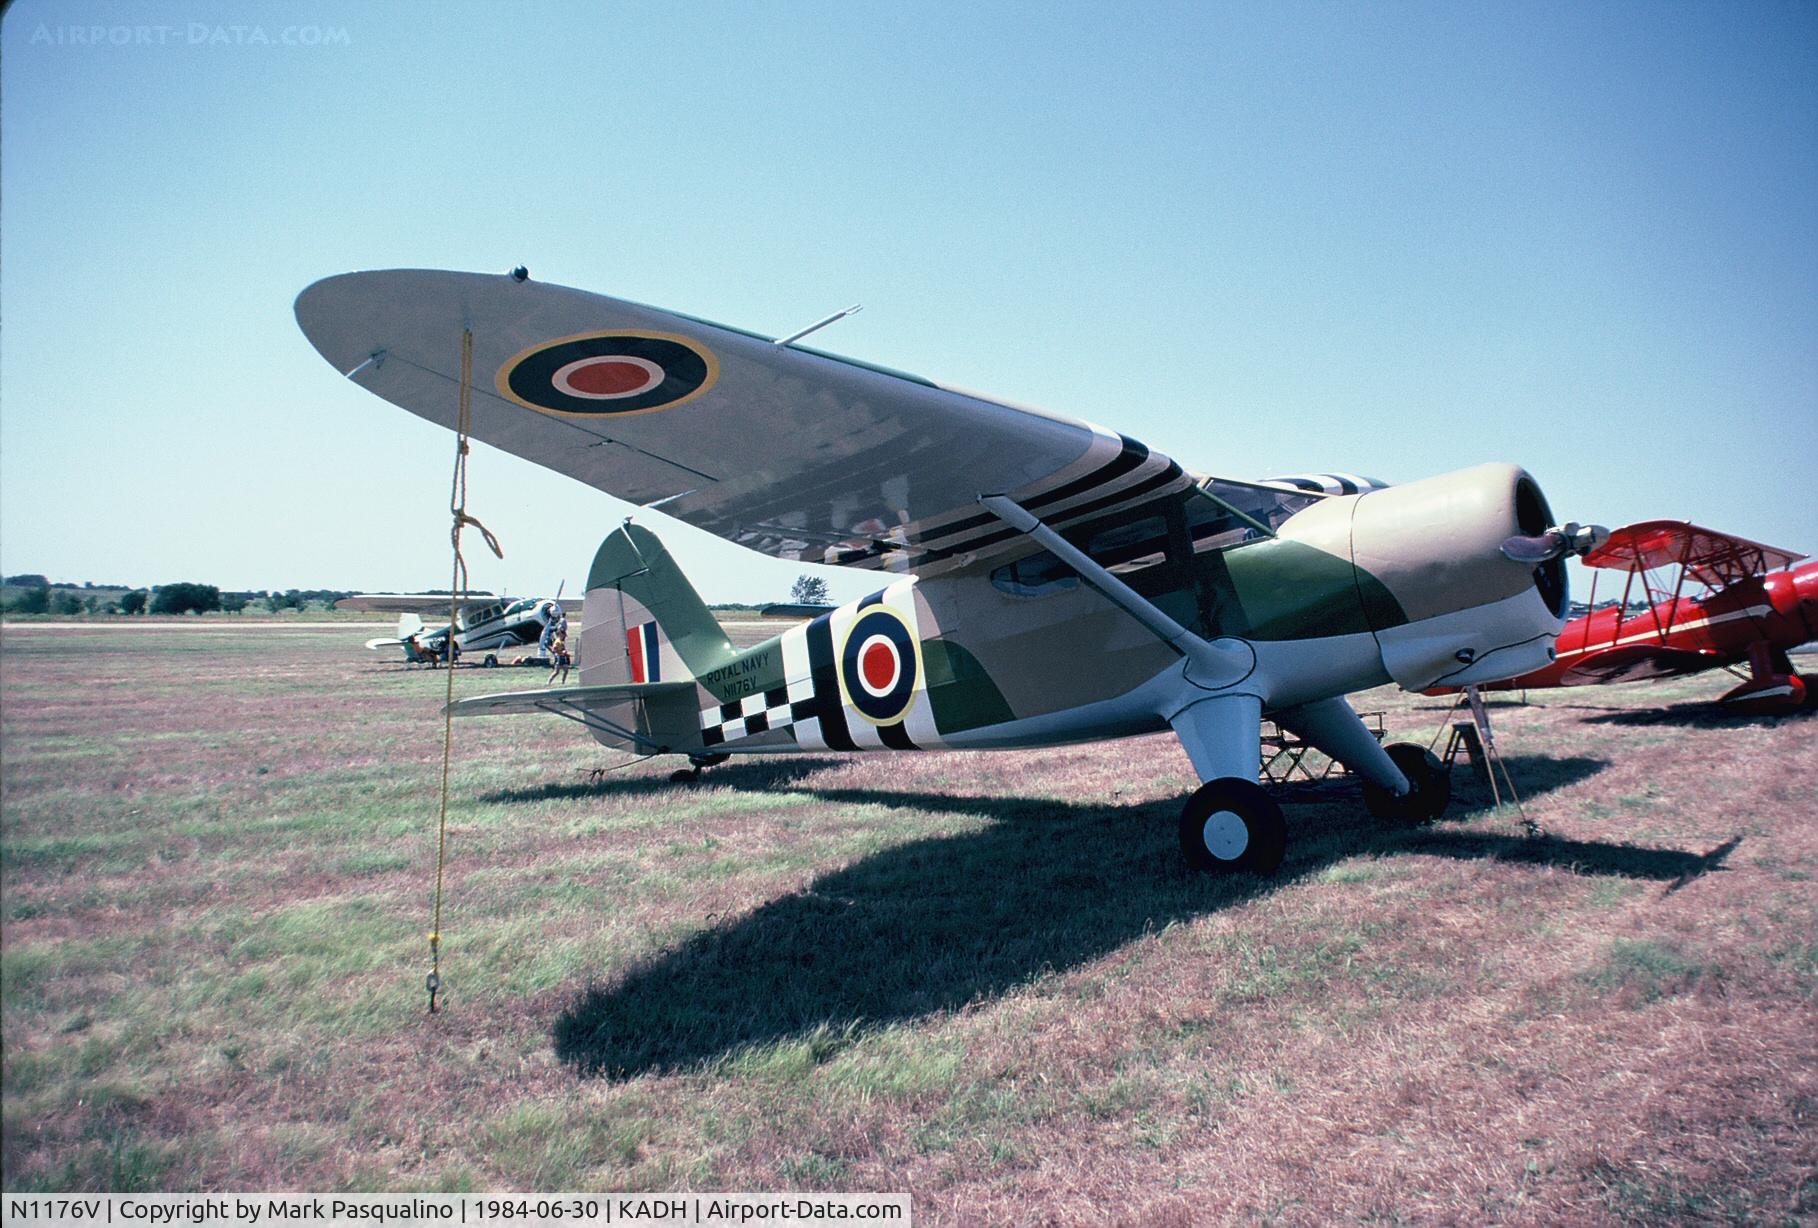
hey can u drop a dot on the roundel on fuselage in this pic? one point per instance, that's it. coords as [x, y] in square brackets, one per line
[878, 665]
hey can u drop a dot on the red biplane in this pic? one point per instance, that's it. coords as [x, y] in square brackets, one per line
[1746, 604]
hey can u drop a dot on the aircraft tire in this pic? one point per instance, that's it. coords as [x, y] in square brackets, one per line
[684, 776]
[1230, 824]
[491, 661]
[1426, 801]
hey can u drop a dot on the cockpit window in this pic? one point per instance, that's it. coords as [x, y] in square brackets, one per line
[1223, 508]
[479, 615]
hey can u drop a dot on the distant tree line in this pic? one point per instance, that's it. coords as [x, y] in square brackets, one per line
[35, 594]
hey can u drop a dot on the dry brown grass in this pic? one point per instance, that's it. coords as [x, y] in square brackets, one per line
[982, 978]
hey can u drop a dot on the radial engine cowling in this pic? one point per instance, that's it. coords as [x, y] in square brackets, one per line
[1446, 604]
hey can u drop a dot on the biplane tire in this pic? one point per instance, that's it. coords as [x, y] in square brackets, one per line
[1431, 787]
[1230, 824]
[491, 660]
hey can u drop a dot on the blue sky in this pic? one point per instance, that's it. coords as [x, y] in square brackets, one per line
[1390, 239]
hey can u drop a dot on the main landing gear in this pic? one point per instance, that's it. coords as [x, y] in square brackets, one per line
[1231, 824]
[1772, 689]
[1429, 787]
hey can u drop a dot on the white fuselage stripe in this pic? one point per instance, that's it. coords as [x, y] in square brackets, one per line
[1657, 635]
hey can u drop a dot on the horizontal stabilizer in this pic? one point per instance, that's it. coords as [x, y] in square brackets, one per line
[384, 641]
[568, 698]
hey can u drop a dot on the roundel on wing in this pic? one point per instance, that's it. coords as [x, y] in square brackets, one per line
[610, 373]
[878, 666]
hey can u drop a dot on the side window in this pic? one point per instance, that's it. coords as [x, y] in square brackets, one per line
[1036, 576]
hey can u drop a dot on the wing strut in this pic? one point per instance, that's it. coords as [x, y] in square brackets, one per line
[1211, 664]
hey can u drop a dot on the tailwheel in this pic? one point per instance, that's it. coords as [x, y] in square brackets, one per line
[1231, 824]
[696, 764]
[1430, 787]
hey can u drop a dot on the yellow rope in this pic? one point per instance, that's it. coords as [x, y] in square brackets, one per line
[457, 589]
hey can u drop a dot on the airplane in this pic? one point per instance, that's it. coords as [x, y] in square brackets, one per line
[1051, 581]
[485, 623]
[1749, 606]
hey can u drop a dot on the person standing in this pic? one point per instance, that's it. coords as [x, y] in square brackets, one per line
[559, 659]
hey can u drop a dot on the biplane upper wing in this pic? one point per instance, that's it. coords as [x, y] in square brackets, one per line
[1711, 558]
[409, 603]
[787, 450]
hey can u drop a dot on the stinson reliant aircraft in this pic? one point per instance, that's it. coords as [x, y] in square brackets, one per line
[1053, 582]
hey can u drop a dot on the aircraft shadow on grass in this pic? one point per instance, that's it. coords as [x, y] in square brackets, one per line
[1708, 715]
[936, 923]
[752, 775]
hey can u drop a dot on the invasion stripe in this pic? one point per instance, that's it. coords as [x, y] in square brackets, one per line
[896, 736]
[1125, 462]
[1075, 516]
[1104, 451]
[831, 713]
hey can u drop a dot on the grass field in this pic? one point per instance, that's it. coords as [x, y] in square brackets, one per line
[985, 979]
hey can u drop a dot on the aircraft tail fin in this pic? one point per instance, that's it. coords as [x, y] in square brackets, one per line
[409, 625]
[641, 620]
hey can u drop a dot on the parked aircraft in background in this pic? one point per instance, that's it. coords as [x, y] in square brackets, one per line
[485, 623]
[1713, 600]
[1055, 582]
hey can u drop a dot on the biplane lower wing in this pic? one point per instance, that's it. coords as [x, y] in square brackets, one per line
[1637, 663]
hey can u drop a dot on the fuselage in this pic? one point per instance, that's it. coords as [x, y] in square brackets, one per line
[1404, 584]
[484, 629]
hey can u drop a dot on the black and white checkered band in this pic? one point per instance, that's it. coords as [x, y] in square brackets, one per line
[777, 708]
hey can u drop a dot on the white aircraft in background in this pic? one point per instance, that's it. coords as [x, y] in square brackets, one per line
[485, 623]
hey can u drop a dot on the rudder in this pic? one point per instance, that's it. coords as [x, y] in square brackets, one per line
[641, 619]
